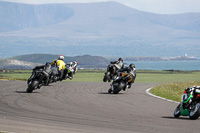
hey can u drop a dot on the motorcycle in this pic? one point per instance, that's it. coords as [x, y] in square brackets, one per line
[70, 70]
[110, 73]
[192, 110]
[40, 77]
[120, 82]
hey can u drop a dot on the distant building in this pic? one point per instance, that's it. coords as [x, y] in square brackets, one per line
[186, 55]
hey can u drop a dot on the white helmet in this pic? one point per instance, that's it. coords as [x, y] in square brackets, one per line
[61, 57]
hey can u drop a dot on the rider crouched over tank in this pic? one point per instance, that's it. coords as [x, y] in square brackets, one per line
[60, 66]
[46, 71]
[118, 64]
[190, 103]
[71, 69]
[112, 68]
[130, 72]
[190, 93]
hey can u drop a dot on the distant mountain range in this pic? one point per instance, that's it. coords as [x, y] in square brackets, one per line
[32, 60]
[85, 61]
[107, 29]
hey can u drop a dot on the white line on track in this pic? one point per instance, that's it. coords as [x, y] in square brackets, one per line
[5, 132]
[148, 92]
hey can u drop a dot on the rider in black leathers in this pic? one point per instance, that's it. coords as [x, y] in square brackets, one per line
[46, 71]
[118, 64]
[131, 70]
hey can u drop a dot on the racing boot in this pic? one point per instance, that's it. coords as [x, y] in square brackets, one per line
[129, 85]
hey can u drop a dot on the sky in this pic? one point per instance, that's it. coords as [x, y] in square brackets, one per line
[154, 6]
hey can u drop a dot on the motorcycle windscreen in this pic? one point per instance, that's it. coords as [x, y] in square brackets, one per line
[197, 91]
[184, 97]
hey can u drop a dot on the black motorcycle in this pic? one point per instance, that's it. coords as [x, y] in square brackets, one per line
[41, 77]
[119, 83]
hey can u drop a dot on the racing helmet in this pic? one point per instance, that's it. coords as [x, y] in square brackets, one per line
[120, 59]
[47, 63]
[132, 65]
[61, 57]
[76, 62]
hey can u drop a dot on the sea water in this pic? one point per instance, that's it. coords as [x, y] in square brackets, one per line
[166, 65]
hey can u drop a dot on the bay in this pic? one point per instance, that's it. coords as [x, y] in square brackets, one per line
[166, 65]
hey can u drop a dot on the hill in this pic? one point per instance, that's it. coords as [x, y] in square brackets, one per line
[16, 64]
[103, 29]
[85, 61]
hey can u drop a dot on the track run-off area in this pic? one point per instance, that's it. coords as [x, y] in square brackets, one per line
[86, 107]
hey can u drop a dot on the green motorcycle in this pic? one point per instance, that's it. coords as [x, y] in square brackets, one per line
[186, 108]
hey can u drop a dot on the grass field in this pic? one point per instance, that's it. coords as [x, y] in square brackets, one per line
[143, 76]
[173, 91]
[172, 82]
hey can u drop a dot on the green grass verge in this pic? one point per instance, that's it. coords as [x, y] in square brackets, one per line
[173, 91]
[16, 75]
[143, 76]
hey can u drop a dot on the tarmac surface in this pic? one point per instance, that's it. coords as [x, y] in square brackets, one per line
[86, 107]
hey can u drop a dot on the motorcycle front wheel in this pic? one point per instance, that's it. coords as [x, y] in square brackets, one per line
[32, 86]
[195, 112]
[118, 88]
[106, 76]
[177, 112]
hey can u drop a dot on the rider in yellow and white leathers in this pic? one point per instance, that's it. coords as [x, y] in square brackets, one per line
[60, 64]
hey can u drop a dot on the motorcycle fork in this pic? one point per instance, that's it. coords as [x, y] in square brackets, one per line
[112, 88]
[112, 85]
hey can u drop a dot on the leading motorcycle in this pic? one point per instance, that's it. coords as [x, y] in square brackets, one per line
[189, 109]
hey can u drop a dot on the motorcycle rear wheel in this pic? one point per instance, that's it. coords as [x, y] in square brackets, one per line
[195, 113]
[32, 86]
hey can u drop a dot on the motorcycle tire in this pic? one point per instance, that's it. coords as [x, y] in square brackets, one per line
[119, 88]
[177, 112]
[32, 86]
[195, 113]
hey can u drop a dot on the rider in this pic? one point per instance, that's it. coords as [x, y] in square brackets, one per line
[60, 64]
[191, 92]
[129, 70]
[118, 64]
[46, 71]
[73, 66]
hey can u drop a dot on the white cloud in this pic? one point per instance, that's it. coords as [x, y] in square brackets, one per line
[155, 6]
[164, 6]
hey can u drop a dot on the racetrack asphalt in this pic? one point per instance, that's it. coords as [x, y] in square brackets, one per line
[86, 107]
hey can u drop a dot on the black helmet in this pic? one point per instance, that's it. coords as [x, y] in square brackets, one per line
[47, 63]
[132, 65]
[120, 59]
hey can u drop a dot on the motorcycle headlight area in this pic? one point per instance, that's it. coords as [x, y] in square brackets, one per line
[184, 97]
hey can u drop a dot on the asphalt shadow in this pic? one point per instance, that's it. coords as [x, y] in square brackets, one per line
[106, 93]
[179, 118]
[25, 92]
